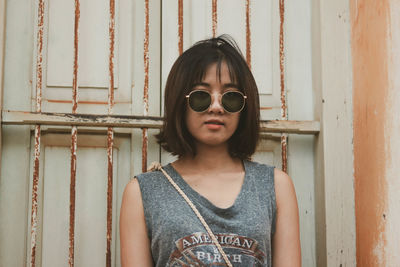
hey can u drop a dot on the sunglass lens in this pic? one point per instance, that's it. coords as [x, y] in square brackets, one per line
[199, 101]
[232, 101]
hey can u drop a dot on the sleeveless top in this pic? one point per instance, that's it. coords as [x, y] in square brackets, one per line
[244, 230]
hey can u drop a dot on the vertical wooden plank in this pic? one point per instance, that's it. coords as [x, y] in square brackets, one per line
[376, 106]
[393, 138]
[2, 49]
[16, 49]
[334, 149]
[298, 73]
[392, 125]
[319, 181]
[265, 25]
[231, 19]
[153, 55]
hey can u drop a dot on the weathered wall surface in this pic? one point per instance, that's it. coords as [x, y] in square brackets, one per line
[376, 57]
[392, 137]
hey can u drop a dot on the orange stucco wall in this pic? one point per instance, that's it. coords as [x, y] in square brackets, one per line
[370, 21]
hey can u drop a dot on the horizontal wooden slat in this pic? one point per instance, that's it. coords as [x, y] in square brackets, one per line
[291, 127]
[126, 121]
[94, 120]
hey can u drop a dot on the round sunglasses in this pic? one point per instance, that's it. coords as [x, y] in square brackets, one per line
[231, 101]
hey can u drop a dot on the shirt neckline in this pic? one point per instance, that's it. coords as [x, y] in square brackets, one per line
[199, 199]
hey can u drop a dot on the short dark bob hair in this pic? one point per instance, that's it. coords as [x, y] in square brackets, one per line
[189, 69]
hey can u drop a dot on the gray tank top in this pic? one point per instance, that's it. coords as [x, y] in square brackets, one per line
[244, 230]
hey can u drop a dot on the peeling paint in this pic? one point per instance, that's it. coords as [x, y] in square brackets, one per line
[248, 34]
[282, 76]
[35, 182]
[110, 144]
[146, 61]
[144, 149]
[71, 255]
[111, 56]
[180, 26]
[146, 83]
[369, 30]
[74, 136]
[76, 53]
[39, 59]
[214, 18]
[110, 133]
[35, 195]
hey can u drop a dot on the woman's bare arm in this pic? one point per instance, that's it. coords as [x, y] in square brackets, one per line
[135, 244]
[286, 249]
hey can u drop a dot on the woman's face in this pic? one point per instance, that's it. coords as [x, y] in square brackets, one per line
[214, 126]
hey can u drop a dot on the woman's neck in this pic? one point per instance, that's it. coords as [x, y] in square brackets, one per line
[208, 159]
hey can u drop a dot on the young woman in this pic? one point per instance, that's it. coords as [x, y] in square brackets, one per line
[212, 125]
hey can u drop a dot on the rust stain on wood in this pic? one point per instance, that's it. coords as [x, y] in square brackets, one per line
[76, 53]
[144, 149]
[110, 144]
[282, 58]
[111, 56]
[39, 58]
[214, 17]
[71, 255]
[248, 34]
[74, 136]
[180, 26]
[146, 85]
[39, 84]
[35, 195]
[110, 133]
[146, 60]
[284, 152]
[282, 75]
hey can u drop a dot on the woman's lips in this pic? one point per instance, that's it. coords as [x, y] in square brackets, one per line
[214, 124]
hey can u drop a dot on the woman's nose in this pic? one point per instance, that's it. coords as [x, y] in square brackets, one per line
[216, 105]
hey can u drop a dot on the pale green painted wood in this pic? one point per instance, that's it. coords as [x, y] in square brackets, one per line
[300, 99]
[14, 181]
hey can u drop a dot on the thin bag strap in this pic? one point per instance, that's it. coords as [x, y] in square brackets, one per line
[157, 166]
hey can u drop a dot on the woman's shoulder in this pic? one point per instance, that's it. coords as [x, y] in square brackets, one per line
[151, 176]
[259, 169]
[284, 186]
[282, 179]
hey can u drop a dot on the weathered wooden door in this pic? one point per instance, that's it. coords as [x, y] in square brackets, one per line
[61, 183]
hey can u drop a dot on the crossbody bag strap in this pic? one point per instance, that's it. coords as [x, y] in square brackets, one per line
[157, 166]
